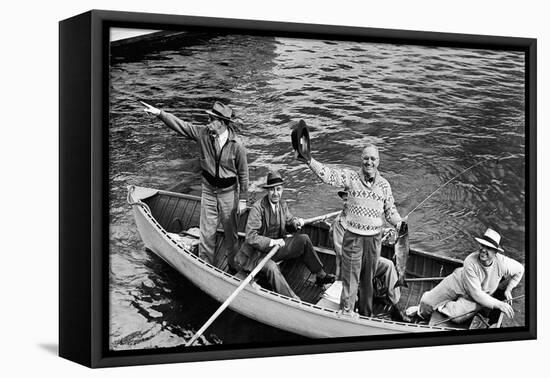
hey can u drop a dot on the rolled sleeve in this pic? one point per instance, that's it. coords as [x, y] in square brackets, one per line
[514, 272]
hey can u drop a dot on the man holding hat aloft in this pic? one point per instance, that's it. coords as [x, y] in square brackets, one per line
[224, 176]
[470, 287]
[370, 202]
[385, 276]
[269, 223]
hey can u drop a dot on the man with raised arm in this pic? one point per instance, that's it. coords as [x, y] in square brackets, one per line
[385, 276]
[224, 176]
[370, 201]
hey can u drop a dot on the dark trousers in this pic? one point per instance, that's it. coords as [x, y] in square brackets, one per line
[360, 256]
[298, 247]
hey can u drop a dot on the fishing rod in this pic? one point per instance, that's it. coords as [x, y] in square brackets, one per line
[497, 160]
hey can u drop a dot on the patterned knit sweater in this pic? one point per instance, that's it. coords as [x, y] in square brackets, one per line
[366, 204]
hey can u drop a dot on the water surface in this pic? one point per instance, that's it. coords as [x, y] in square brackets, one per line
[433, 112]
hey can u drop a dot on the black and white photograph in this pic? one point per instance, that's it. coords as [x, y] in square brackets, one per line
[270, 189]
[226, 188]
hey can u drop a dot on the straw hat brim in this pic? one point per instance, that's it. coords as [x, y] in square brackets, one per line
[487, 244]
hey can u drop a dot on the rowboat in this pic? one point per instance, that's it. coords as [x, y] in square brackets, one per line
[161, 216]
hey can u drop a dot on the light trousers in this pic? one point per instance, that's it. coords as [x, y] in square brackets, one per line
[218, 206]
[360, 254]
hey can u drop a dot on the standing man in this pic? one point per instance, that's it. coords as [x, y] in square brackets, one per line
[385, 276]
[370, 200]
[269, 222]
[224, 176]
[469, 288]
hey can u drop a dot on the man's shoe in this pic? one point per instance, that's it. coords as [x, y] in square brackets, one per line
[348, 312]
[327, 279]
[399, 315]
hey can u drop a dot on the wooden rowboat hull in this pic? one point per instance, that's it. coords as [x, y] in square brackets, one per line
[156, 212]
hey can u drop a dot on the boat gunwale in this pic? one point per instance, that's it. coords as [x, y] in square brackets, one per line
[413, 250]
[279, 298]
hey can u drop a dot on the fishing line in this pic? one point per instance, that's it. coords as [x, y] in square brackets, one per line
[497, 160]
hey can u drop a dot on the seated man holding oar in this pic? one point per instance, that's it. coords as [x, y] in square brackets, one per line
[269, 221]
[468, 289]
[385, 276]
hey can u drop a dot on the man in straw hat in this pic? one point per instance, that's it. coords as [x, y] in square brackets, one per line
[370, 200]
[470, 287]
[224, 176]
[268, 225]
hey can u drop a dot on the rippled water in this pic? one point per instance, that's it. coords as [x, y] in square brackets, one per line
[433, 112]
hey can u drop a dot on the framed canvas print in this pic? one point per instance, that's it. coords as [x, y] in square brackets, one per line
[234, 188]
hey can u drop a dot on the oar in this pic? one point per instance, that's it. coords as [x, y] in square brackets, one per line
[470, 312]
[234, 295]
[321, 217]
[424, 279]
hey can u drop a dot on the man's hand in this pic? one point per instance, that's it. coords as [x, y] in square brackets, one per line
[398, 226]
[150, 109]
[279, 242]
[303, 159]
[506, 309]
[241, 207]
[508, 295]
[299, 223]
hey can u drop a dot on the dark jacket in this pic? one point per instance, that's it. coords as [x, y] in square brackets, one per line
[256, 244]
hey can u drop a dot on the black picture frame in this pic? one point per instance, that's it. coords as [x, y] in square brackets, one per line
[83, 197]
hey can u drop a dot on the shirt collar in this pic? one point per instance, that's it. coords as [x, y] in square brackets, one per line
[272, 205]
[223, 137]
[372, 180]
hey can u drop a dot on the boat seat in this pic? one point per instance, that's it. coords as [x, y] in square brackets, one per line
[331, 297]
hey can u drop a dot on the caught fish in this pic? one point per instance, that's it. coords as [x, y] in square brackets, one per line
[402, 253]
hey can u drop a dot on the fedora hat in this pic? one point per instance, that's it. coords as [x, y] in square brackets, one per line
[222, 111]
[300, 141]
[342, 193]
[273, 179]
[490, 239]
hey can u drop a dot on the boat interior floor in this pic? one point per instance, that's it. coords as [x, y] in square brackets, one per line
[302, 282]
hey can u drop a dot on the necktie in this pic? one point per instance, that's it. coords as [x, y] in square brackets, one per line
[217, 146]
[277, 214]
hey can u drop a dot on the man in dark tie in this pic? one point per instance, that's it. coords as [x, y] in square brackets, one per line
[269, 223]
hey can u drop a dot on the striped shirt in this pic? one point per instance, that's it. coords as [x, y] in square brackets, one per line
[368, 203]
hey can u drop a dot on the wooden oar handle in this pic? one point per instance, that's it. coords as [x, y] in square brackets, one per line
[424, 279]
[321, 217]
[243, 284]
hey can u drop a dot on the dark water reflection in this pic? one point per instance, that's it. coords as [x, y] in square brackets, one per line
[433, 112]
